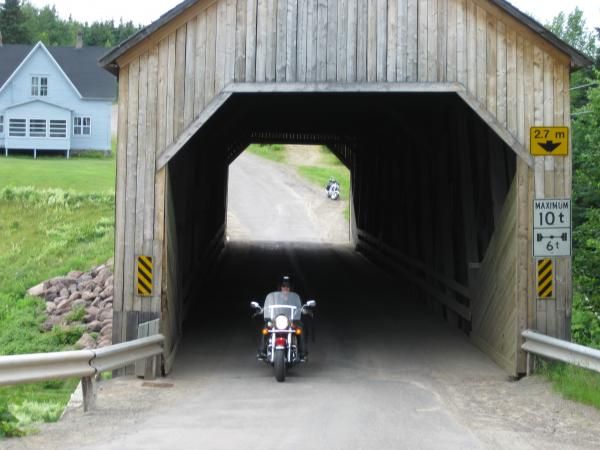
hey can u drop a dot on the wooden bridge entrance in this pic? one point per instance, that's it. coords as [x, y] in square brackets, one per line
[427, 101]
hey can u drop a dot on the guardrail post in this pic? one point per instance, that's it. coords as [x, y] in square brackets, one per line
[150, 368]
[89, 397]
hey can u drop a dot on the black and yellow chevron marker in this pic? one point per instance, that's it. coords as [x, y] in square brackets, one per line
[545, 277]
[144, 275]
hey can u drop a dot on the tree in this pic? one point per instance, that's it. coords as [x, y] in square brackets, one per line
[572, 30]
[585, 127]
[45, 25]
[12, 23]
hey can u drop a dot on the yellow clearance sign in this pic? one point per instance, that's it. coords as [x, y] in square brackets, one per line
[549, 141]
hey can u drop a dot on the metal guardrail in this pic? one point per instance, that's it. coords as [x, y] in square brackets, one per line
[31, 368]
[18, 369]
[557, 349]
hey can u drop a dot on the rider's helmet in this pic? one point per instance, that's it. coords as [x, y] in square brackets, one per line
[286, 283]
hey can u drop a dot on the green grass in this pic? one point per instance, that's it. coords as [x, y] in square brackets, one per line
[320, 175]
[274, 152]
[46, 233]
[76, 314]
[328, 166]
[573, 382]
[83, 174]
[24, 405]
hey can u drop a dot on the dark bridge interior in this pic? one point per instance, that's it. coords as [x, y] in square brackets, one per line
[429, 180]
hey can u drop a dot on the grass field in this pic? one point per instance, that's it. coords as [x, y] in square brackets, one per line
[573, 383]
[57, 215]
[82, 175]
[329, 166]
[273, 152]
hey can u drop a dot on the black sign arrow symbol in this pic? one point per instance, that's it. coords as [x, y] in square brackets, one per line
[549, 146]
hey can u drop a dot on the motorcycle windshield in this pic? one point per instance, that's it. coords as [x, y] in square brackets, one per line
[288, 303]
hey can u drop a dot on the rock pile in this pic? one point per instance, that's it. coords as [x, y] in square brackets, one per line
[84, 298]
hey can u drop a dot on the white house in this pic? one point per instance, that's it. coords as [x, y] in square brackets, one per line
[55, 98]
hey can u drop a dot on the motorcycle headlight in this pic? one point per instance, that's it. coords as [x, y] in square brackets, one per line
[282, 322]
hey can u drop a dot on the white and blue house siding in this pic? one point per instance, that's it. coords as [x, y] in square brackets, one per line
[50, 122]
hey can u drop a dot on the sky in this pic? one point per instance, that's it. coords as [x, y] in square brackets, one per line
[145, 12]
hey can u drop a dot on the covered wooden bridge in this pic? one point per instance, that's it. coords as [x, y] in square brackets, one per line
[428, 102]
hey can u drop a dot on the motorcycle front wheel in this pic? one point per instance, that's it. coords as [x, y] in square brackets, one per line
[280, 365]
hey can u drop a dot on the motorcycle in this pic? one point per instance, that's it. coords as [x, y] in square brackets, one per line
[282, 331]
[333, 189]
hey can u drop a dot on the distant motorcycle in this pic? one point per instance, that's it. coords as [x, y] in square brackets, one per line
[282, 330]
[333, 189]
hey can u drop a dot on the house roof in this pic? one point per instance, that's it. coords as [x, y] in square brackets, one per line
[578, 59]
[79, 64]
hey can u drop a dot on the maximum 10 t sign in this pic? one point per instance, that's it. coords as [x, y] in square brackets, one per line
[552, 227]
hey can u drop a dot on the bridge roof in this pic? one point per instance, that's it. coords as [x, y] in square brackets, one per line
[578, 59]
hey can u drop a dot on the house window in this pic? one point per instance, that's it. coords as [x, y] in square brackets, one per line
[82, 126]
[1, 124]
[58, 128]
[39, 86]
[37, 128]
[17, 127]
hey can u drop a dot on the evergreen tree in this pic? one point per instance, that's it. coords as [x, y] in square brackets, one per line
[12, 23]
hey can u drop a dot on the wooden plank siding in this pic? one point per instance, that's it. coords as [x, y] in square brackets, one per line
[172, 76]
[495, 314]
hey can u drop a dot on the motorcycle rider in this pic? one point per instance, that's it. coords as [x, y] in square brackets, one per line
[330, 183]
[285, 288]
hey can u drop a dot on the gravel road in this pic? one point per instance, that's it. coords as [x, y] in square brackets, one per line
[269, 201]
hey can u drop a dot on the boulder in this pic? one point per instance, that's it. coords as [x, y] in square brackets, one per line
[106, 315]
[57, 300]
[86, 341]
[106, 304]
[50, 308]
[85, 277]
[37, 290]
[50, 322]
[106, 330]
[64, 305]
[52, 289]
[92, 314]
[62, 281]
[88, 296]
[104, 341]
[64, 292]
[74, 295]
[107, 292]
[50, 296]
[87, 285]
[94, 326]
[102, 276]
[74, 274]
[78, 302]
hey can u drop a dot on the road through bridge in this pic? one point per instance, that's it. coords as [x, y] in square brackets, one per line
[382, 373]
[428, 102]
